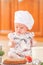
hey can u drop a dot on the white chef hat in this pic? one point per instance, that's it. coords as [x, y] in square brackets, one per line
[24, 17]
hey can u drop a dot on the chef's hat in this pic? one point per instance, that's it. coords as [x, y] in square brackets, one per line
[24, 17]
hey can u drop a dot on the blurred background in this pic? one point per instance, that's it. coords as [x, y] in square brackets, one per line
[7, 10]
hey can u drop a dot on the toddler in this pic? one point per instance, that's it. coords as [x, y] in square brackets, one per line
[21, 40]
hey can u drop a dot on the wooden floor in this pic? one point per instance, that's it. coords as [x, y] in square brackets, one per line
[40, 39]
[3, 37]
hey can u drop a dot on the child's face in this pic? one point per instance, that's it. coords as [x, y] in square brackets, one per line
[20, 28]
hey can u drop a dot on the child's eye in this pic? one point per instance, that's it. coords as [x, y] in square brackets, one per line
[16, 27]
[21, 27]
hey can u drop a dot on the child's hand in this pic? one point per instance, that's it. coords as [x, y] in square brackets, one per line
[12, 43]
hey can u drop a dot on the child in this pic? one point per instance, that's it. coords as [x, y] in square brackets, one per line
[21, 39]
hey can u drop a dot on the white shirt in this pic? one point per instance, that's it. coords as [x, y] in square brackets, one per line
[23, 43]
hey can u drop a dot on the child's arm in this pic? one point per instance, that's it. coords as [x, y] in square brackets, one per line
[11, 43]
[33, 42]
[11, 40]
